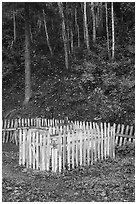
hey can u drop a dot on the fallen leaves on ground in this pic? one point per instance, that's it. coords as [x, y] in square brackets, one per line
[104, 181]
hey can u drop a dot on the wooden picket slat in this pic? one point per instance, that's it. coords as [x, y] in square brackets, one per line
[80, 145]
[105, 140]
[91, 144]
[20, 147]
[114, 128]
[108, 140]
[122, 132]
[102, 142]
[60, 153]
[84, 145]
[130, 133]
[118, 131]
[88, 145]
[73, 149]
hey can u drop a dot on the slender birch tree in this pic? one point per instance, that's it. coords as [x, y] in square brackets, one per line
[28, 91]
[64, 36]
[14, 26]
[86, 26]
[107, 31]
[113, 34]
[94, 22]
[77, 28]
[47, 35]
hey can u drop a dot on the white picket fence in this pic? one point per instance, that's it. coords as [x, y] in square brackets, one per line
[61, 148]
[49, 144]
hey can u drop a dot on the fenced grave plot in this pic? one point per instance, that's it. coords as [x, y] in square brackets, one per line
[65, 148]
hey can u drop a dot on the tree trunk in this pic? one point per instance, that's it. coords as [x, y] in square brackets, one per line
[68, 29]
[27, 57]
[86, 26]
[71, 33]
[64, 34]
[14, 23]
[14, 27]
[72, 43]
[113, 34]
[77, 27]
[46, 31]
[107, 30]
[68, 36]
[94, 22]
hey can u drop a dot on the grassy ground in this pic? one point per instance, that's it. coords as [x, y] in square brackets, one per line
[111, 180]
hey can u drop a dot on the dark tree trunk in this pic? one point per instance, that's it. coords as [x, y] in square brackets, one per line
[27, 56]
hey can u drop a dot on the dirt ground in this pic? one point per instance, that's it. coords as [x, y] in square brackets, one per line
[111, 180]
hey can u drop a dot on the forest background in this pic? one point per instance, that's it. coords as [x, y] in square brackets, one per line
[69, 59]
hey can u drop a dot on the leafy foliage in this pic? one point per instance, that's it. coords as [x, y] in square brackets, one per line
[93, 86]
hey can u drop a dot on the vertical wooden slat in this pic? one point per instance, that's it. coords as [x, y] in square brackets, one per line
[8, 133]
[25, 122]
[33, 148]
[40, 149]
[22, 122]
[126, 132]
[19, 122]
[48, 150]
[102, 141]
[27, 150]
[98, 141]
[64, 148]
[60, 152]
[20, 147]
[117, 132]
[4, 132]
[130, 133]
[16, 132]
[43, 146]
[84, 144]
[68, 149]
[37, 149]
[88, 144]
[52, 158]
[30, 148]
[111, 142]
[91, 143]
[81, 142]
[121, 138]
[32, 120]
[23, 145]
[114, 128]
[28, 122]
[73, 148]
[77, 144]
[11, 133]
[105, 140]
[108, 140]
[95, 141]
[56, 159]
